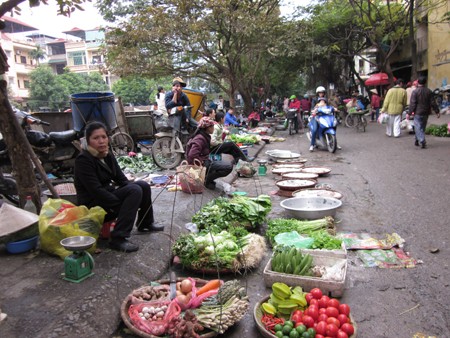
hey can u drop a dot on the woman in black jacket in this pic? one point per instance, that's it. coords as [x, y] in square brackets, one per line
[99, 181]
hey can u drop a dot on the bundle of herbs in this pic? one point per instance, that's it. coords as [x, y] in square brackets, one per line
[226, 214]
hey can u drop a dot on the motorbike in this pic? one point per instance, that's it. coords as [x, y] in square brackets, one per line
[168, 148]
[326, 131]
[56, 151]
[292, 117]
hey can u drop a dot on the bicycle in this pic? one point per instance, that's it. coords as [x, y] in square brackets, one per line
[356, 119]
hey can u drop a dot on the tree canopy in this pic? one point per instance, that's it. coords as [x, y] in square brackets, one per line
[50, 90]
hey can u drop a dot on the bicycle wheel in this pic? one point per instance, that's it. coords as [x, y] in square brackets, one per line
[122, 144]
[291, 127]
[364, 123]
[163, 156]
[349, 121]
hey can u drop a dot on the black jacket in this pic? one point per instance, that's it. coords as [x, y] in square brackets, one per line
[95, 181]
[422, 101]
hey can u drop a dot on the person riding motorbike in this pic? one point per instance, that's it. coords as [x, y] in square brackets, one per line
[295, 104]
[321, 92]
[322, 107]
[176, 98]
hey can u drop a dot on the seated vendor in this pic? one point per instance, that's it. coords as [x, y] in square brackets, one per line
[99, 181]
[230, 118]
[198, 147]
[218, 146]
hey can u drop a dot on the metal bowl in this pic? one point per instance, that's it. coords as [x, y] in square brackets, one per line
[77, 243]
[311, 207]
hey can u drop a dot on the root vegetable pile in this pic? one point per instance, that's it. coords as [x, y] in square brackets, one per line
[149, 293]
[153, 313]
[186, 327]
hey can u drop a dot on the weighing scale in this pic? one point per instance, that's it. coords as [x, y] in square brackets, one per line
[262, 169]
[78, 266]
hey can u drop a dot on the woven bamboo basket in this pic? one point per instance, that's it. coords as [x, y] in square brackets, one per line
[127, 302]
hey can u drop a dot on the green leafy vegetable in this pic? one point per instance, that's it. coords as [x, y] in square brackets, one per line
[245, 138]
[137, 164]
[441, 131]
[231, 214]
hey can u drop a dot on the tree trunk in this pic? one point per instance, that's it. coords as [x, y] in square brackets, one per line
[16, 142]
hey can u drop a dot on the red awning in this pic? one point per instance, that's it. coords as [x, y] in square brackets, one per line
[378, 79]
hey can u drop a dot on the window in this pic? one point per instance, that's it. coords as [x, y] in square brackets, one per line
[26, 84]
[77, 58]
[23, 59]
[18, 83]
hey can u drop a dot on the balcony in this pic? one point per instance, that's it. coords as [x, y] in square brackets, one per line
[22, 68]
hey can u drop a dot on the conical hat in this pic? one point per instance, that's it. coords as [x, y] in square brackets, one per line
[13, 219]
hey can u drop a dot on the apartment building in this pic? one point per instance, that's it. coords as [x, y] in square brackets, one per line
[80, 52]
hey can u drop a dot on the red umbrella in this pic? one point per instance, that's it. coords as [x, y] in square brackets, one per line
[377, 79]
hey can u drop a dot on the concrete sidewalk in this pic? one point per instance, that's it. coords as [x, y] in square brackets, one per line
[40, 304]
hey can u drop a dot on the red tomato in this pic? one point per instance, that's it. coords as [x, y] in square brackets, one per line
[314, 302]
[308, 321]
[323, 301]
[322, 310]
[321, 327]
[348, 329]
[297, 317]
[313, 311]
[332, 312]
[308, 297]
[343, 319]
[341, 334]
[296, 312]
[319, 336]
[334, 303]
[344, 309]
[317, 293]
[334, 321]
[322, 317]
[331, 330]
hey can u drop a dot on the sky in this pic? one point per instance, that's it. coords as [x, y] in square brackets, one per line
[49, 23]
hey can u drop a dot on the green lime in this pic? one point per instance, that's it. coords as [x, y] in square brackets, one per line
[287, 329]
[288, 322]
[306, 335]
[279, 334]
[294, 334]
[301, 328]
[278, 327]
[311, 331]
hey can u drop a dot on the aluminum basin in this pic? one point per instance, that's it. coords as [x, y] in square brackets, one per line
[311, 207]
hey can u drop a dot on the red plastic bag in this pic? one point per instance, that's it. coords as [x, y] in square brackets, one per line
[154, 327]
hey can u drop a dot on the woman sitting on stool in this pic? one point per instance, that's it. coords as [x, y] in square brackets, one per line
[198, 147]
[99, 181]
[218, 146]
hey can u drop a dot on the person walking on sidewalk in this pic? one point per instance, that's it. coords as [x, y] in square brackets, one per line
[375, 103]
[393, 105]
[99, 181]
[421, 105]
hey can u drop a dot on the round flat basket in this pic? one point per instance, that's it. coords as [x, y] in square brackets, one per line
[292, 161]
[300, 176]
[318, 193]
[293, 185]
[285, 193]
[257, 315]
[288, 165]
[280, 171]
[127, 302]
[321, 171]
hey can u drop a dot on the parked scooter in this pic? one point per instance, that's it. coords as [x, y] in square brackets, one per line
[292, 117]
[326, 133]
[168, 148]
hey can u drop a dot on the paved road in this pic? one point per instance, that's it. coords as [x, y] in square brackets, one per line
[388, 185]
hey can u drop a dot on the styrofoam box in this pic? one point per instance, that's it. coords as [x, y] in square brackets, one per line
[331, 287]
